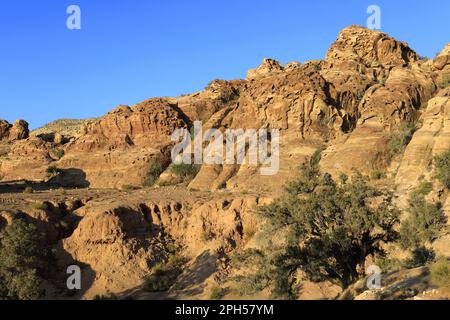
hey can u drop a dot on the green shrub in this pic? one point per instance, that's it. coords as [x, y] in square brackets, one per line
[52, 171]
[444, 83]
[424, 188]
[442, 168]
[40, 205]
[388, 265]
[22, 258]
[424, 224]
[164, 275]
[440, 273]
[28, 190]
[185, 171]
[377, 174]
[420, 257]
[157, 283]
[400, 139]
[217, 293]
[154, 171]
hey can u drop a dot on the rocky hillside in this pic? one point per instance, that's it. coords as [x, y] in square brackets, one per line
[134, 207]
[65, 127]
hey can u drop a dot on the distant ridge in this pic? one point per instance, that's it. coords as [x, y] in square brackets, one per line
[65, 127]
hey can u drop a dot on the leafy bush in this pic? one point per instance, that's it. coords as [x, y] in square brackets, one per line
[39, 205]
[157, 283]
[52, 171]
[22, 258]
[323, 228]
[400, 140]
[217, 293]
[424, 224]
[388, 265]
[424, 188]
[444, 83]
[442, 168]
[154, 171]
[377, 174]
[164, 275]
[420, 257]
[185, 171]
[440, 273]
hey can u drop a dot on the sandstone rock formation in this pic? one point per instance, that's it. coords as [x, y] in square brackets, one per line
[18, 131]
[348, 105]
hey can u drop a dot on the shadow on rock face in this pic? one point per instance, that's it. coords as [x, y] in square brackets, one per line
[70, 178]
[64, 260]
[66, 178]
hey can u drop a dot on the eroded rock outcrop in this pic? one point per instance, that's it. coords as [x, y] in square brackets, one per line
[17, 131]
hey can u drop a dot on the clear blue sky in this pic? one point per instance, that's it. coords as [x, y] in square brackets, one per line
[131, 50]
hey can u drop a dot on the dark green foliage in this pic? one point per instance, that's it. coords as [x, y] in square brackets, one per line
[52, 171]
[22, 257]
[440, 273]
[420, 257]
[425, 223]
[377, 174]
[328, 230]
[400, 140]
[442, 167]
[185, 171]
[164, 275]
[154, 171]
[444, 82]
[424, 188]
[217, 293]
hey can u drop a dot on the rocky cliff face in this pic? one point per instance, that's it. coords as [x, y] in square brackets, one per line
[368, 87]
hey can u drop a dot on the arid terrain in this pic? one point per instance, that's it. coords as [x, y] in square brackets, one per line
[107, 197]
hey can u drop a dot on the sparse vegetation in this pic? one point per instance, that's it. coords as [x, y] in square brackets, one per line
[388, 265]
[400, 139]
[154, 171]
[164, 276]
[28, 190]
[217, 293]
[128, 187]
[377, 174]
[39, 205]
[249, 232]
[52, 171]
[186, 172]
[444, 82]
[207, 235]
[321, 227]
[59, 153]
[442, 168]
[440, 273]
[420, 257]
